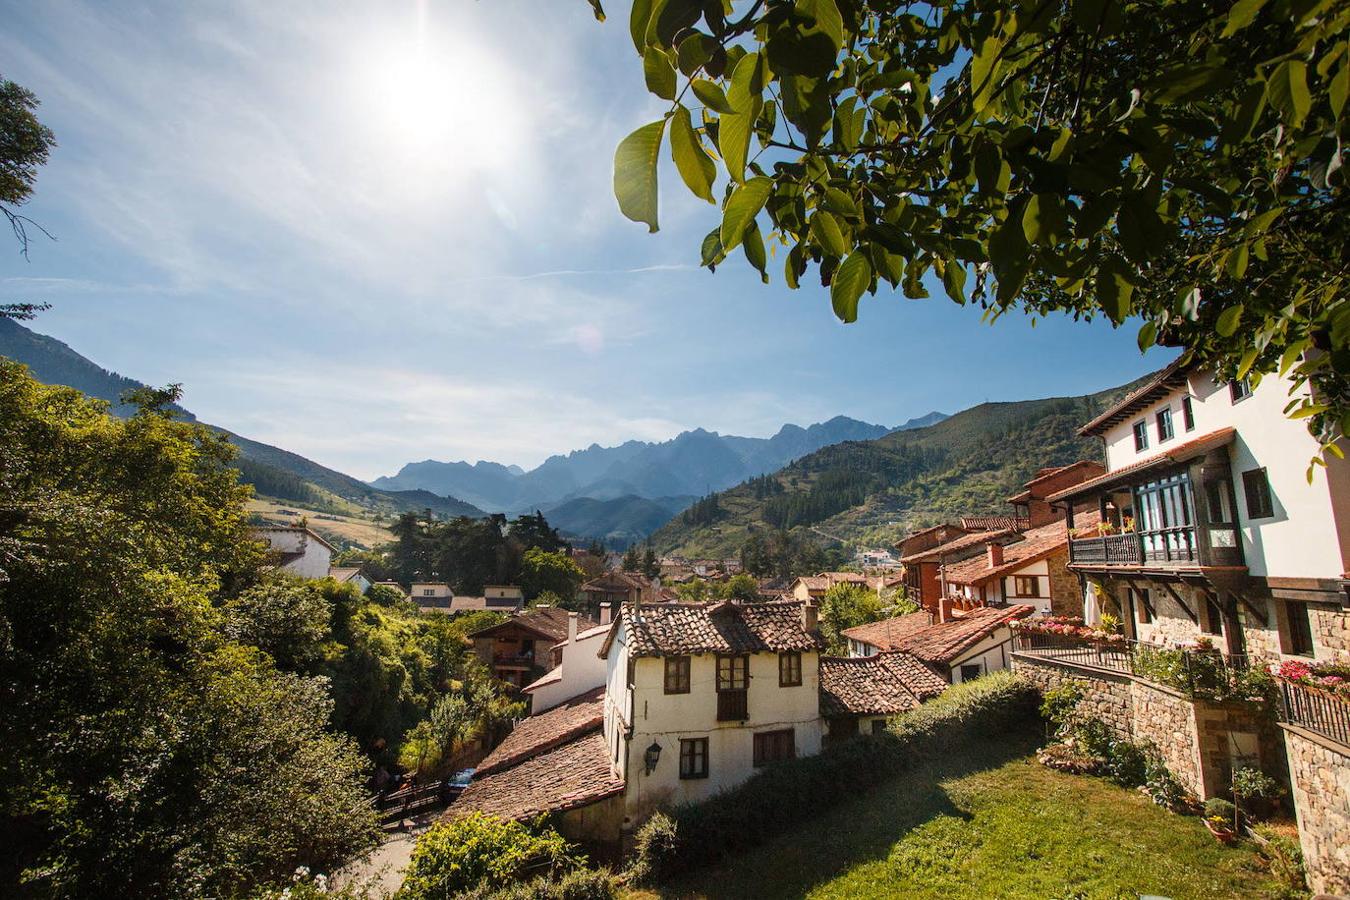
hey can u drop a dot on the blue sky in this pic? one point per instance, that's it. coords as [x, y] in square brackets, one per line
[373, 233]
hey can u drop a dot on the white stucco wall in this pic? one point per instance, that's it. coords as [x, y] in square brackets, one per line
[1300, 540]
[582, 670]
[317, 556]
[993, 654]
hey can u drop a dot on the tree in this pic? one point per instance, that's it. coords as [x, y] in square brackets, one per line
[741, 587]
[632, 562]
[1178, 161]
[25, 144]
[695, 590]
[150, 754]
[847, 606]
[556, 573]
[286, 617]
[481, 852]
[651, 566]
[534, 531]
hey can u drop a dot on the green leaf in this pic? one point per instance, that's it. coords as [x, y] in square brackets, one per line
[711, 96]
[1340, 87]
[691, 160]
[1228, 321]
[954, 280]
[637, 24]
[984, 71]
[827, 18]
[1044, 221]
[839, 203]
[712, 253]
[742, 206]
[1190, 82]
[635, 173]
[693, 52]
[598, 10]
[659, 74]
[1114, 290]
[1139, 228]
[1287, 91]
[1245, 364]
[825, 229]
[733, 131]
[793, 266]
[1241, 15]
[1147, 335]
[1244, 114]
[753, 245]
[850, 280]
[1236, 261]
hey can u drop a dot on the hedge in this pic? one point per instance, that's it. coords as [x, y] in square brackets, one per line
[794, 791]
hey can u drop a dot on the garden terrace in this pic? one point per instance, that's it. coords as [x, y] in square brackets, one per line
[1316, 696]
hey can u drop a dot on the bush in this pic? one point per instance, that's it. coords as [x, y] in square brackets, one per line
[655, 848]
[1162, 786]
[1127, 763]
[1093, 738]
[1058, 705]
[794, 791]
[479, 851]
[579, 884]
[1284, 858]
[1220, 810]
[1255, 790]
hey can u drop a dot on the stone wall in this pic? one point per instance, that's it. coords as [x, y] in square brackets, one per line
[1166, 719]
[1320, 771]
[1105, 697]
[1066, 595]
[1331, 631]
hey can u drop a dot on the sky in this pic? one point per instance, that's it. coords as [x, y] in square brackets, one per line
[379, 232]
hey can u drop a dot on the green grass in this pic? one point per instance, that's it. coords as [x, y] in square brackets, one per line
[990, 823]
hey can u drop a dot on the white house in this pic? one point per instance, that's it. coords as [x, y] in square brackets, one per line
[296, 549]
[963, 647]
[349, 575]
[699, 696]
[580, 667]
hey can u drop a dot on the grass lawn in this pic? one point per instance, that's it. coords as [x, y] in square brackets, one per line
[995, 823]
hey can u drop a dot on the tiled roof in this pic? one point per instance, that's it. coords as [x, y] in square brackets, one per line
[1177, 454]
[993, 523]
[1036, 544]
[723, 627]
[536, 734]
[943, 642]
[553, 676]
[879, 685]
[964, 542]
[343, 573]
[573, 774]
[884, 634]
[547, 621]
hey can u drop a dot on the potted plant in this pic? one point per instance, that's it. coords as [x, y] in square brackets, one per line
[1220, 819]
[1254, 792]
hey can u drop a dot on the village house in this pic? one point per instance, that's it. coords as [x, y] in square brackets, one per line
[349, 575]
[886, 634]
[296, 549]
[859, 694]
[431, 595]
[521, 649]
[1207, 532]
[617, 588]
[814, 587]
[579, 667]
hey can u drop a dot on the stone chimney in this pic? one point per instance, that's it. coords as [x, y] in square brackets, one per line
[995, 552]
[810, 616]
[572, 627]
[606, 612]
[945, 609]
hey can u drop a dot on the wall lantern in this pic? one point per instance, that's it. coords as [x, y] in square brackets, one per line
[652, 757]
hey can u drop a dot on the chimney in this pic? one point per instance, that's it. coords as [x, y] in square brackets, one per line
[606, 613]
[572, 627]
[945, 609]
[810, 616]
[995, 555]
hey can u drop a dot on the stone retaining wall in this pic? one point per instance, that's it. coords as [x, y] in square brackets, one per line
[1320, 771]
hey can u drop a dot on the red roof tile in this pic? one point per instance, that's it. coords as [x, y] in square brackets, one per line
[574, 774]
[1036, 544]
[964, 542]
[879, 685]
[884, 634]
[723, 627]
[943, 642]
[993, 523]
[536, 734]
[549, 622]
[1177, 454]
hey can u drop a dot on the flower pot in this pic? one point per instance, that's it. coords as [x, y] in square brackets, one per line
[1222, 833]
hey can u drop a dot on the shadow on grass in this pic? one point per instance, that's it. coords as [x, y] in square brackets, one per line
[855, 831]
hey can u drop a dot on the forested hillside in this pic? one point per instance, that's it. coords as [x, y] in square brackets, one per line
[873, 492]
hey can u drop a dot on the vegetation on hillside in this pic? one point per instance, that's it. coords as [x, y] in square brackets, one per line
[874, 492]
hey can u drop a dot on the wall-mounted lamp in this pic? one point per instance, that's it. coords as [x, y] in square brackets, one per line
[652, 756]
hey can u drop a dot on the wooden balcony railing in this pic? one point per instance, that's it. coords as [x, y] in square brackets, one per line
[1316, 709]
[1111, 549]
[732, 706]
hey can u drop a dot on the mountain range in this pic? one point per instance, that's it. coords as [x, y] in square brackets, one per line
[873, 492]
[689, 465]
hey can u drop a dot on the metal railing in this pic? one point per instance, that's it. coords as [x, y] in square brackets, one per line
[1317, 710]
[1197, 673]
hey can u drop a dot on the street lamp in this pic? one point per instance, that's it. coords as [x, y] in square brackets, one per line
[652, 757]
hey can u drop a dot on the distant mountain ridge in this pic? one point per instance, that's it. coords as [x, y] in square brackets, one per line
[276, 472]
[690, 464]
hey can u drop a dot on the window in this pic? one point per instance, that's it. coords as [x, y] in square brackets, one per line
[1140, 436]
[1140, 598]
[1164, 418]
[1025, 585]
[1211, 616]
[1257, 487]
[677, 674]
[970, 673]
[428, 592]
[1239, 390]
[774, 746]
[693, 757]
[1300, 639]
[789, 669]
[1187, 414]
[733, 677]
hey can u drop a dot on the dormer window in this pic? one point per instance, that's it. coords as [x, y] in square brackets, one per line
[1164, 419]
[1140, 436]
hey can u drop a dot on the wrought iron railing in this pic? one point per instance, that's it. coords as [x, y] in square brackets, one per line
[1197, 673]
[1316, 709]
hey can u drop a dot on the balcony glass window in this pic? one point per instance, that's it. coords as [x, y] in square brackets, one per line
[677, 674]
[694, 758]
[1211, 617]
[1298, 637]
[1140, 436]
[1164, 418]
[1239, 390]
[1165, 520]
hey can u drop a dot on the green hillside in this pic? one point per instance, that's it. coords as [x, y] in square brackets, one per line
[873, 492]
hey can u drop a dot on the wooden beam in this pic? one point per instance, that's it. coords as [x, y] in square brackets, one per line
[1143, 594]
[1182, 603]
[1257, 612]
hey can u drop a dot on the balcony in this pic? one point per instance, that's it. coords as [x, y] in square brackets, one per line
[1108, 550]
[513, 660]
[1317, 709]
[1167, 547]
[732, 706]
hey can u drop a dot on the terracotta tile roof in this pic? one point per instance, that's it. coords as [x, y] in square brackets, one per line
[1177, 454]
[573, 774]
[884, 634]
[943, 642]
[553, 676]
[879, 685]
[550, 622]
[536, 734]
[993, 523]
[964, 542]
[723, 627]
[1036, 544]
[343, 573]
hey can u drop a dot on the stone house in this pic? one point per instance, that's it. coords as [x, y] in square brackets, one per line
[522, 649]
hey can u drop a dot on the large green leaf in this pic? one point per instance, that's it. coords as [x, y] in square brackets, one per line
[850, 280]
[635, 173]
[1114, 291]
[742, 206]
[691, 160]
[753, 245]
[1044, 221]
[745, 96]
[637, 23]
[659, 74]
[1287, 91]
[711, 96]
[1228, 321]
[825, 229]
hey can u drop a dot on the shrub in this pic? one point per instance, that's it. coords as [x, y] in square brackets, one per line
[1127, 763]
[1058, 705]
[796, 790]
[1163, 787]
[1284, 858]
[1219, 810]
[1093, 738]
[480, 851]
[1254, 791]
[654, 850]
[579, 884]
